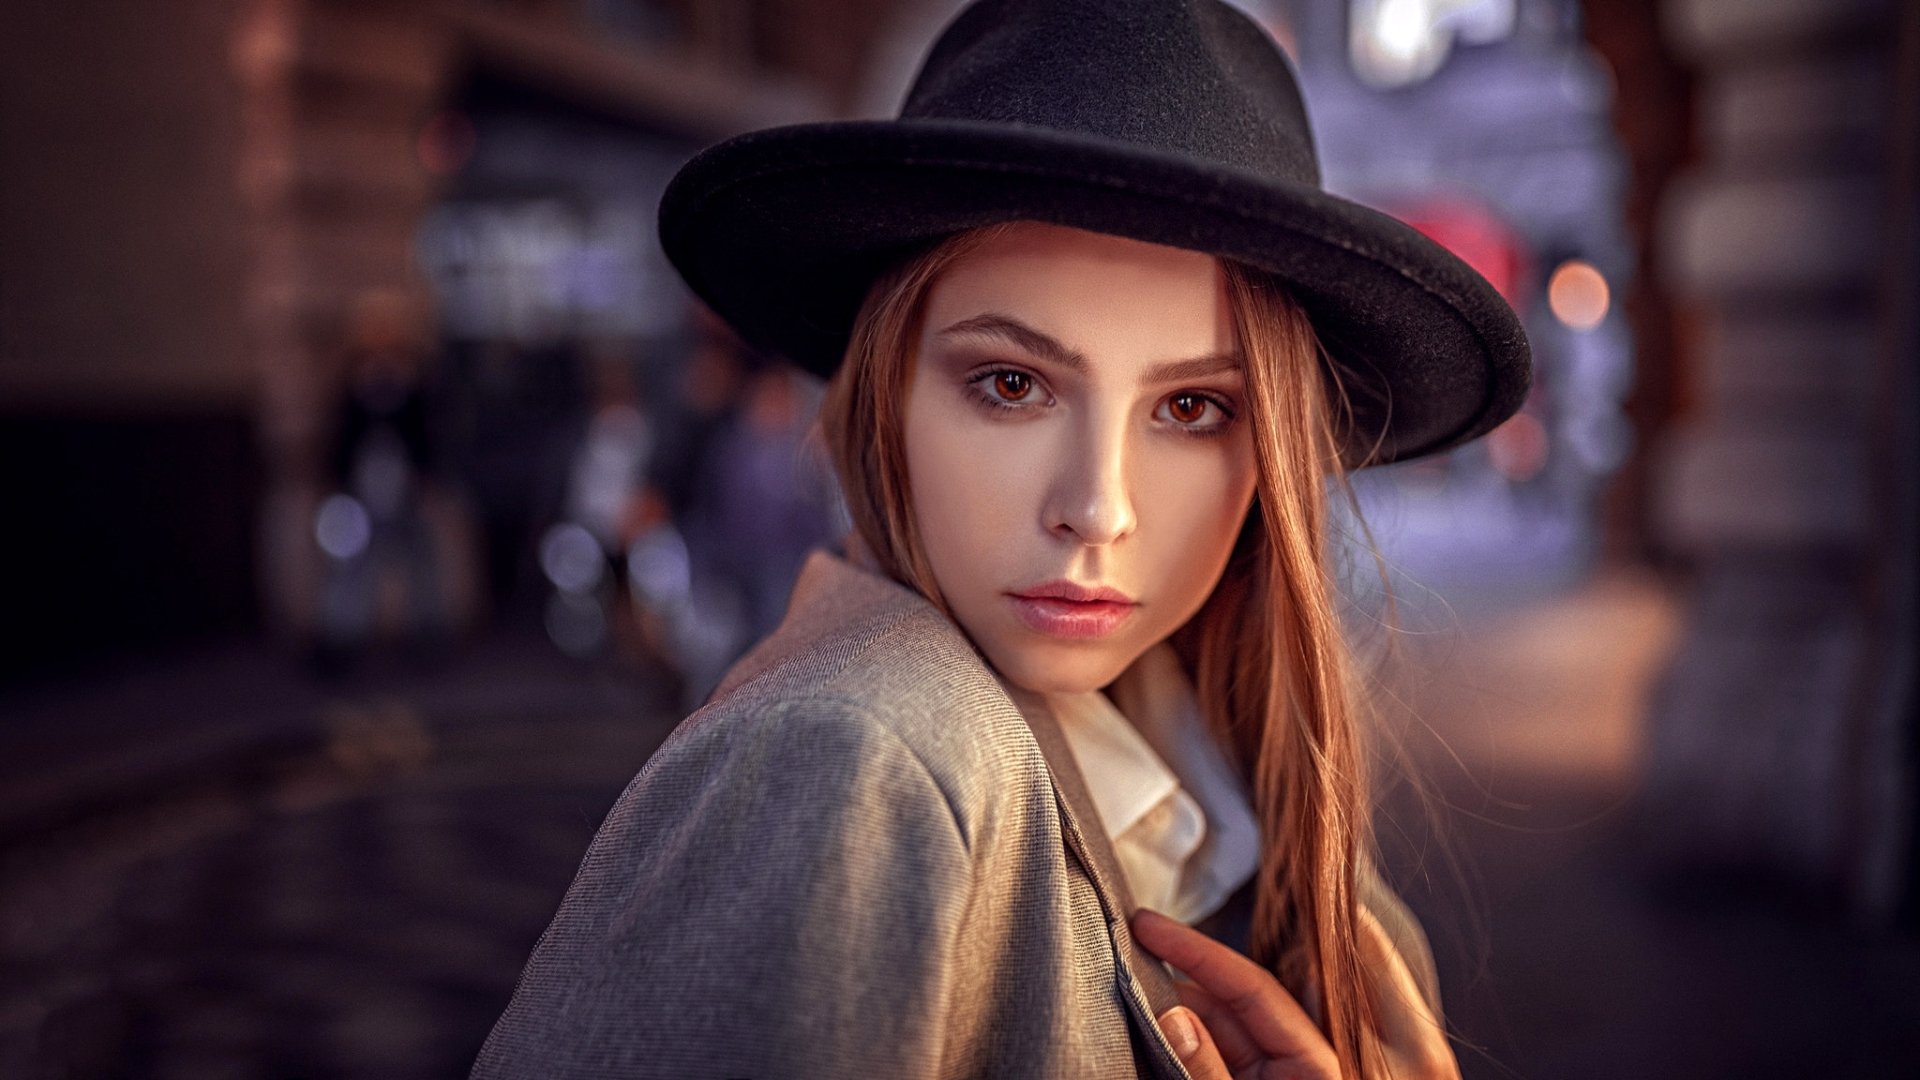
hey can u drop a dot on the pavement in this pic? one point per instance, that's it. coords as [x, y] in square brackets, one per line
[214, 864]
[1568, 948]
[220, 866]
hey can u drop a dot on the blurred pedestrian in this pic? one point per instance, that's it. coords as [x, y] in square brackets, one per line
[374, 526]
[608, 508]
[765, 501]
[748, 494]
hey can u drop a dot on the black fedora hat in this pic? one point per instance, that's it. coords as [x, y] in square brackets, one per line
[1177, 122]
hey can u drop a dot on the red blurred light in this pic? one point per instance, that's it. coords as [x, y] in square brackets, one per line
[1481, 239]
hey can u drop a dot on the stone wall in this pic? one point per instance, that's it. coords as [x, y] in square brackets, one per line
[122, 253]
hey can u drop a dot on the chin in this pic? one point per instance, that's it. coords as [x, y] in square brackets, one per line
[1046, 668]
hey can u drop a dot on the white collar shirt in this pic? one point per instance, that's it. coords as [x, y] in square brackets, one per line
[1177, 814]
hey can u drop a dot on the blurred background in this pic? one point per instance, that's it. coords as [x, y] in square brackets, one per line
[376, 500]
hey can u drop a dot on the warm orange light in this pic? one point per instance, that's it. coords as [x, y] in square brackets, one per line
[1578, 294]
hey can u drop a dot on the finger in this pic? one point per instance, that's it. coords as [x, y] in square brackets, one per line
[1192, 1042]
[1276, 1022]
[1230, 1036]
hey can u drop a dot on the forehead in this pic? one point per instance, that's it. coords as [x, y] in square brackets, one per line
[1106, 295]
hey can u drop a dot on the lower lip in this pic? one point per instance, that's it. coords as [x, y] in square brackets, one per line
[1071, 618]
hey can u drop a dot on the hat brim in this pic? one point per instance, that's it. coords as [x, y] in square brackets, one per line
[781, 231]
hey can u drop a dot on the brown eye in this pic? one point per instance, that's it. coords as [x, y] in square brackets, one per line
[1013, 385]
[1188, 408]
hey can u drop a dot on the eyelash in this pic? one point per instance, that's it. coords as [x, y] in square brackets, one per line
[974, 390]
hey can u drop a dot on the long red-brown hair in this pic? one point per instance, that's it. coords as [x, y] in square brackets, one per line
[1266, 652]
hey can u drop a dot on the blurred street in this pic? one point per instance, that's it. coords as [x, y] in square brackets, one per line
[296, 879]
[1565, 951]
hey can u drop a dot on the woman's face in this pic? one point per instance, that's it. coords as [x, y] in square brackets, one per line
[1076, 424]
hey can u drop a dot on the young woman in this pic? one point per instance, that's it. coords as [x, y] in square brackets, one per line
[1071, 707]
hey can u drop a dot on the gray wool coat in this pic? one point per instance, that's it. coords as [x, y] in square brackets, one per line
[862, 858]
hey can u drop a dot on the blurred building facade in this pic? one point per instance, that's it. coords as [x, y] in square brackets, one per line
[1783, 740]
[194, 197]
[125, 360]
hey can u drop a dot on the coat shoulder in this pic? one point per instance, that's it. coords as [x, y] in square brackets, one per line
[900, 675]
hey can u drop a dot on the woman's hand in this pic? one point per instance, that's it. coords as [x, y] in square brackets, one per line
[1235, 1019]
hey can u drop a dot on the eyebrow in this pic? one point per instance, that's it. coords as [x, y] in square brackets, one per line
[1049, 348]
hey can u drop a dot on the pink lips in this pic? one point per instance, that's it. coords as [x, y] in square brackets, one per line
[1064, 609]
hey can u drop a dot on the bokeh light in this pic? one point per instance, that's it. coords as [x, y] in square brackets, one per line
[1578, 294]
[572, 558]
[342, 527]
[660, 567]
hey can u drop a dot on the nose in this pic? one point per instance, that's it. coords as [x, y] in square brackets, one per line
[1091, 499]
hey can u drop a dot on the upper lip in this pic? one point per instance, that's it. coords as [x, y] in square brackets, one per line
[1067, 590]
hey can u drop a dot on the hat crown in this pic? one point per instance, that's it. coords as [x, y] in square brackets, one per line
[1196, 78]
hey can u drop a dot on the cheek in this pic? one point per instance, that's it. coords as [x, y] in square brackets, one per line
[1192, 507]
[964, 495]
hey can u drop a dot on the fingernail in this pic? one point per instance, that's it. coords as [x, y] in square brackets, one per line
[1179, 1029]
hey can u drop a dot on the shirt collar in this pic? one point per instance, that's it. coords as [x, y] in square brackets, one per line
[1167, 796]
[1125, 776]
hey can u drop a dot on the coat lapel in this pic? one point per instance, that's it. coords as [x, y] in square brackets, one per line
[831, 590]
[1147, 986]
